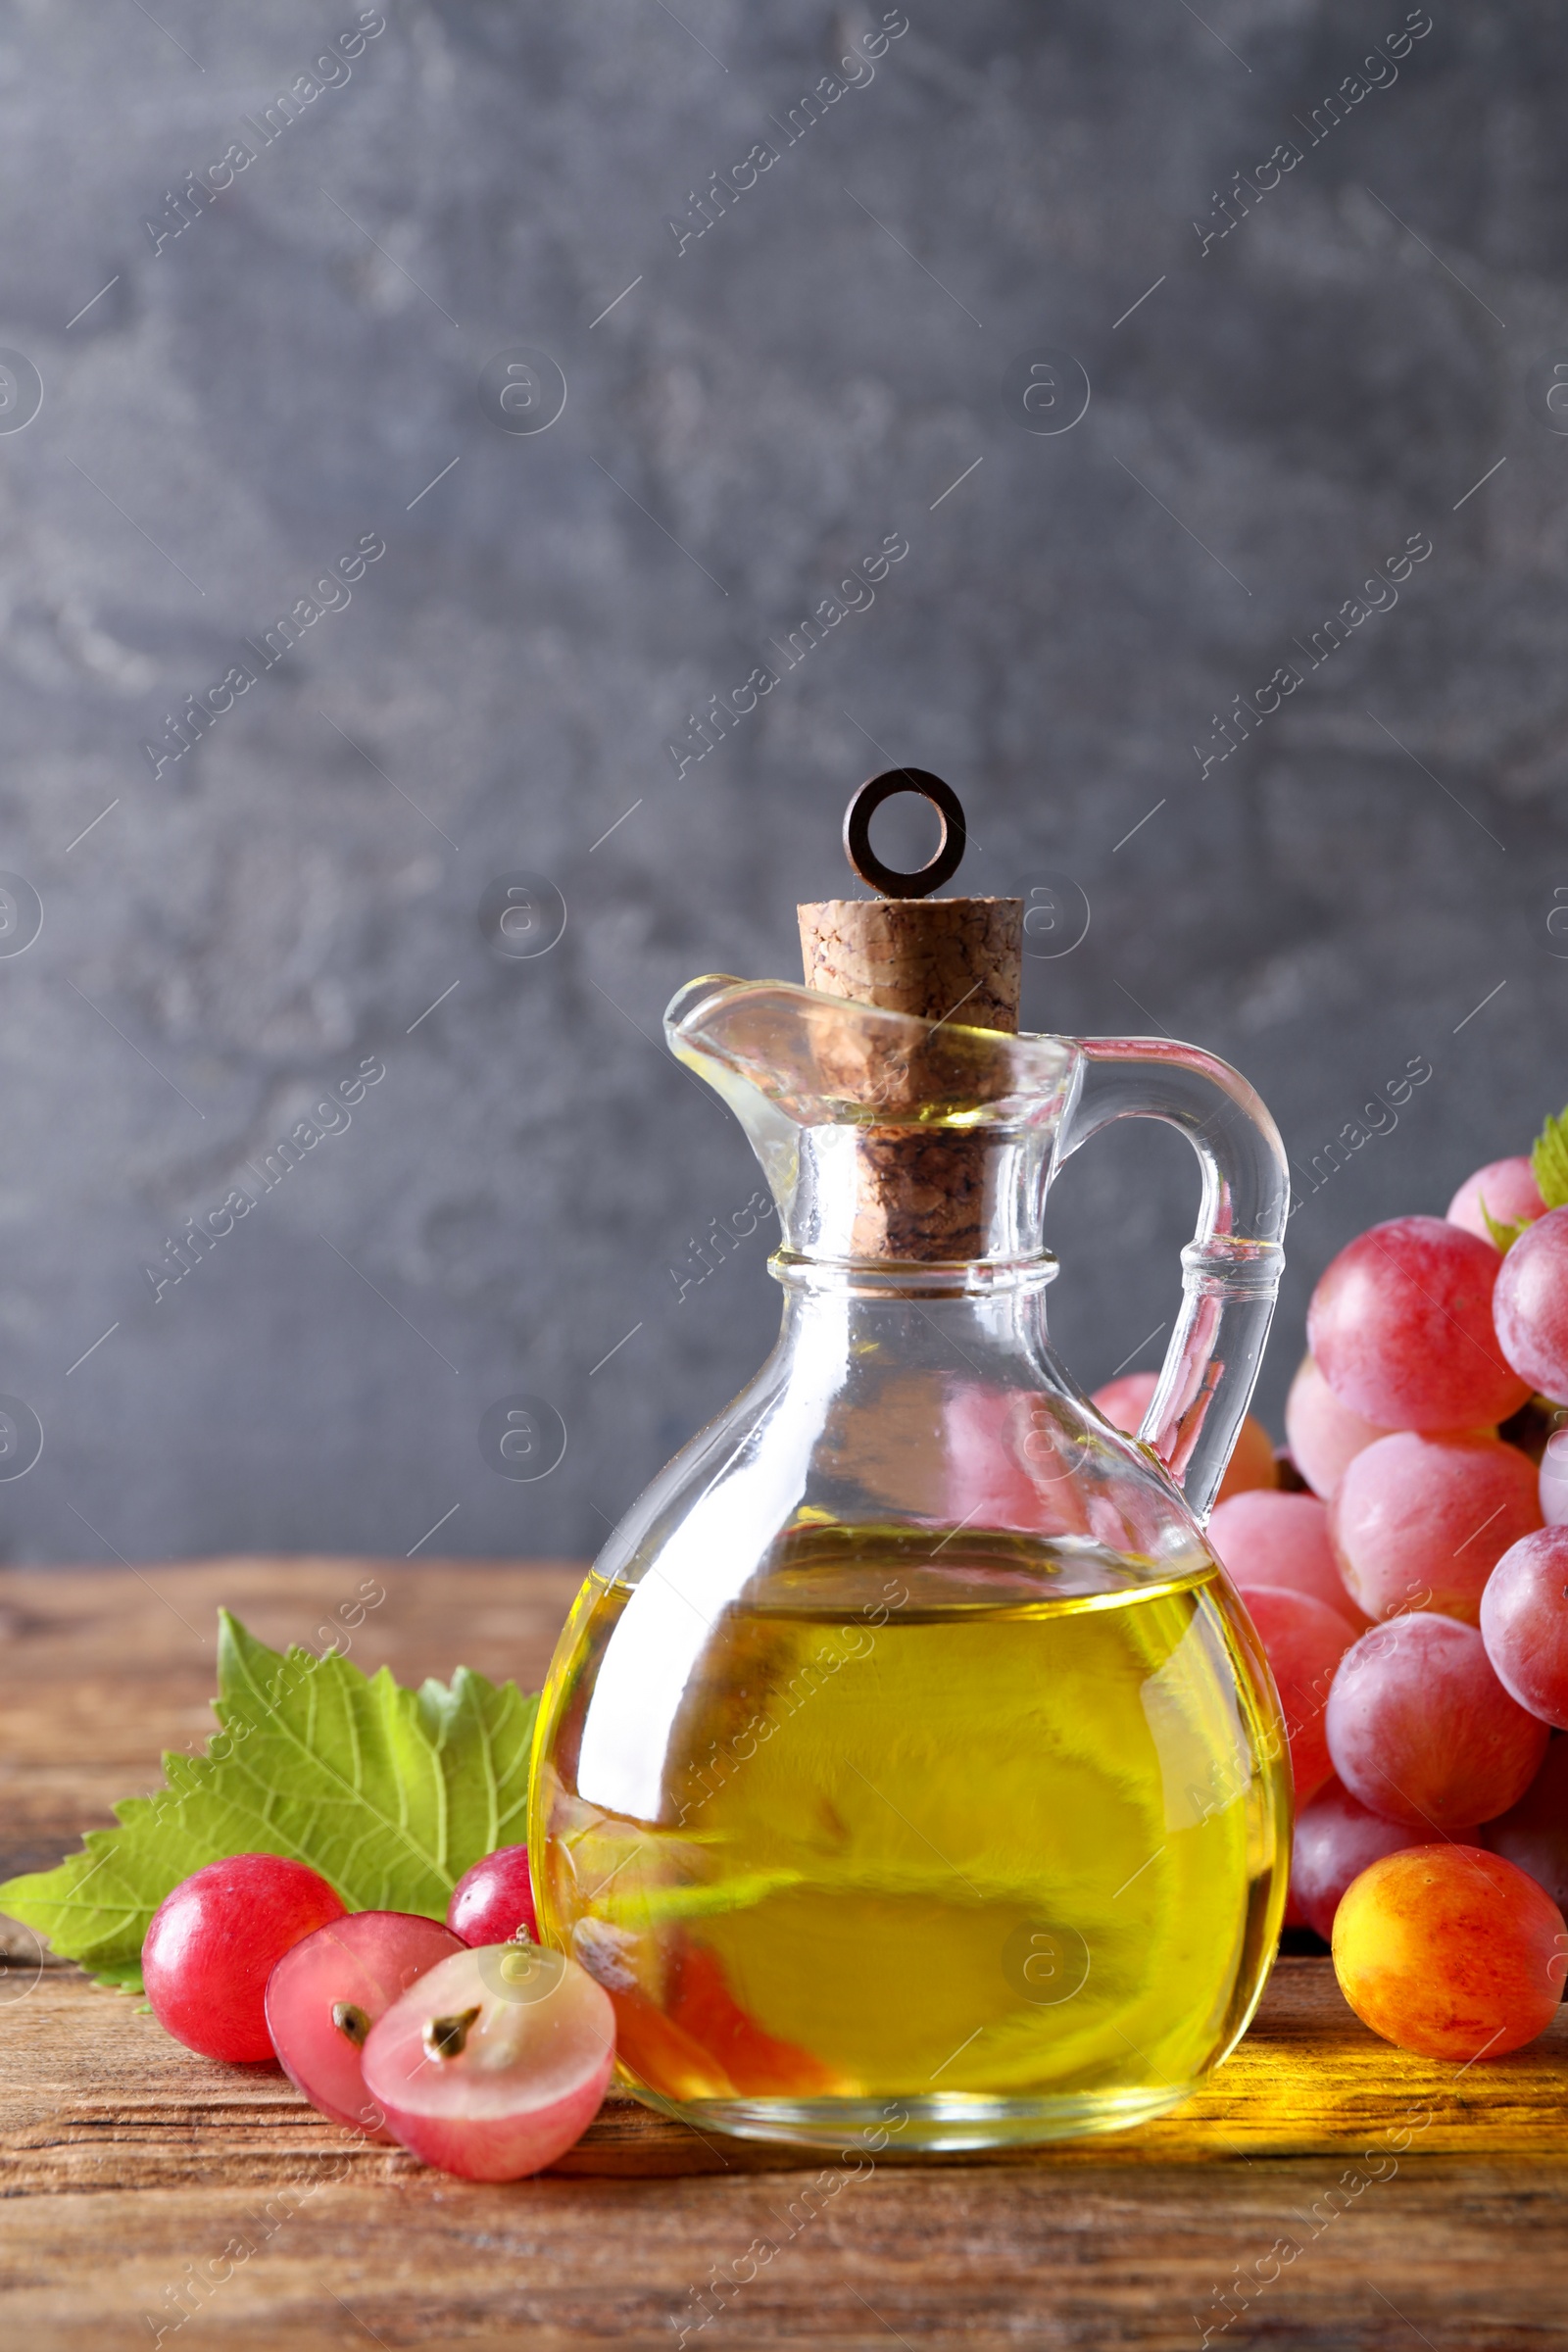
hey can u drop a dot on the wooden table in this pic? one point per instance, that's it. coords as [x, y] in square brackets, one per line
[130, 2165]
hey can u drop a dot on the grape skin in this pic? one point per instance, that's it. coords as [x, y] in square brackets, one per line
[1283, 1540]
[1400, 1326]
[1533, 1835]
[1324, 1436]
[365, 1962]
[1524, 1623]
[1452, 1951]
[1420, 1729]
[1554, 1479]
[1507, 1189]
[1532, 1305]
[1303, 1641]
[493, 1900]
[1336, 1838]
[214, 1943]
[1421, 1521]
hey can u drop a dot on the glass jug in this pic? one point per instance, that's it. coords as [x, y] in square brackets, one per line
[906, 1755]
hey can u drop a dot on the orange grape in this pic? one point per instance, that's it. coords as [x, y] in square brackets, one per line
[1451, 1952]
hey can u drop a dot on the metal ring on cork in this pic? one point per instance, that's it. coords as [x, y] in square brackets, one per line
[857, 833]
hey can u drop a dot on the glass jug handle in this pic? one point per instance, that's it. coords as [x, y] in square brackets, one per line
[1230, 1269]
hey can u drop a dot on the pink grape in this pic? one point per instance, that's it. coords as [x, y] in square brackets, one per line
[1507, 1189]
[1400, 1325]
[1336, 1838]
[1274, 1539]
[214, 1943]
[1524, 1623]
[1126, 1401]
[1421, 1730]
[1323, 1435]
[1554, 1480]
[1420, 1521]
[495, 2061]
[1533, 1835]
[493, 1900]
[1532, 1305]
[1303, 1641]
[327, 1991]
[1452, 1951]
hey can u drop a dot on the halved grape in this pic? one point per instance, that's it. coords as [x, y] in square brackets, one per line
[1336, 1837]
[1532, 1305]
[493, 1900]
[1274, 1539]
[1421, 1730]
[1419, 1522]
[214, 1943]
[1507, 1191]
[1303, 1641]
[1524, 1623]
[1452, 1951]
[327, 1991]
[495, 2061]
[1533, 1835]
[1400, 1325]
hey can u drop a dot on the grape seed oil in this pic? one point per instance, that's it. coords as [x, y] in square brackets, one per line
[982, 1831]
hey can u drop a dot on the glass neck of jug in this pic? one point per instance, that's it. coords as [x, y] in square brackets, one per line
[899, 1152]
[913, 1159]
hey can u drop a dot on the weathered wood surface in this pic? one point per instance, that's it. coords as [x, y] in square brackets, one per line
[1366, 2198]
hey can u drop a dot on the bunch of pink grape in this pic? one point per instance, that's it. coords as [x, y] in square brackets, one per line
[1413, 1605]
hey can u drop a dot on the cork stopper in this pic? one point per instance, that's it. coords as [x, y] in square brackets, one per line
[923, 1191]
[942, 959]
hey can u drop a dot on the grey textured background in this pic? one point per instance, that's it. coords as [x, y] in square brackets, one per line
[238, 933]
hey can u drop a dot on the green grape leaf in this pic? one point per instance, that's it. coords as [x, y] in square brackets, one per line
[1503, 1237]
[1549, 1161]
[390, 1793]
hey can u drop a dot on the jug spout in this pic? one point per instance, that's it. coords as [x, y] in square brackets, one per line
[886, 1139]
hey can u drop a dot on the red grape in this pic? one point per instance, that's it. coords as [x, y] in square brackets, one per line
[1400, 1325]
[215, 1940]
[1452, 1951]
[1533, 1835]
[1532, 1305]
[1554, 1480]
[1303, 1641]
[1508, 1191]
[1421, 1730]
[1126, 1401]
[1274, 1539]
[327, 1991]
[1524, 1623]
[1420, 1521]
[1336, 1837]
[493, 1901]
[1323, 1435]
[495, 2061]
